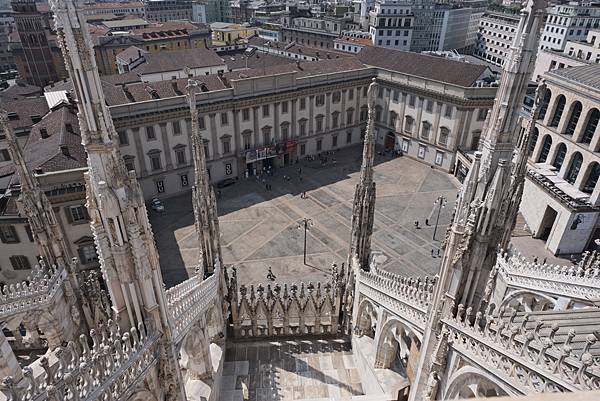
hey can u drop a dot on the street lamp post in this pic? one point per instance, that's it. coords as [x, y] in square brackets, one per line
[440, 202]
[305, 222]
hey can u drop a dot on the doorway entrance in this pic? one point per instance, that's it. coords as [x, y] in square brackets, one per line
[390, 141]
[547, 223]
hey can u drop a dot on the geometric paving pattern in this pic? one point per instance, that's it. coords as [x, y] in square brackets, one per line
[259, 228]
[290, 370]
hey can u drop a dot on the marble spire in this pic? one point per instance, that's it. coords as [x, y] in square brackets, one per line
[206, 218]
[119, 220]
[363, 208]
[482, 219]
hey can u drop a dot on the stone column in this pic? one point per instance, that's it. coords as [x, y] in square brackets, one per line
[419, 103]
[402, 115]
[257, 139]
[327, 111]
[213, 134]
[166, 147]
[276, 127]
[311, 114]
[342, 119]
[436, 124]
[293, 122]
[139, 149]
[578, 134]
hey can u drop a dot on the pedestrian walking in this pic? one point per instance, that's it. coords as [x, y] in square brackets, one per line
[416, 224]
[544, 261]
[438, 252]
[432, 255]
[426, 222]
[535, 260]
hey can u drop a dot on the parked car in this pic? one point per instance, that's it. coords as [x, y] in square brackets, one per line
[225, 183]
[157, 205]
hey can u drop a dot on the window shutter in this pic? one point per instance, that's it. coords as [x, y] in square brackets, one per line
[68, 214]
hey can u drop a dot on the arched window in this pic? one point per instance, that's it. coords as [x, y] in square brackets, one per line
[444, 134]
[561, 152]
[592, 180]
[574, 168]
[590, 127]
[533, 140]
[573, 118]
[544, 105]
[560, 107]
[545, 149]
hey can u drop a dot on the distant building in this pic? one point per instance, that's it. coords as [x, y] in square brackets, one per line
[174, 35]
[352, 41]
[35, 49]
[218, 11]
[569, 22]
[168, 10]
[270, 32]
[391, 24]
[7, 61]
[199, 12]
[496, 35]
[131, 8]
[229, 33]
[247, 10]
[575, 54]
[315, 32]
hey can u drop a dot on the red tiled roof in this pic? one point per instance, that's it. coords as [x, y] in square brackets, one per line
[47, 153]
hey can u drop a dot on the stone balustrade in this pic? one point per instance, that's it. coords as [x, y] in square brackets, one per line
[581, 281]
[190, 300]
[526, 359]
[110, 369]
[409, 296]
[38, 290]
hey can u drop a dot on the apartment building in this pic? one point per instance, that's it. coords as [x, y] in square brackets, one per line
[496, 35]
[569, 22]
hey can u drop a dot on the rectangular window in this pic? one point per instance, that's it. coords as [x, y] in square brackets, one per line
[365, 91]
[334, 141]
[184, 180]
[448, 112]
[4, 155]
[429, 106]
[319, 124]
[8, 234]
[482, 114]
[405, 145]
[284, 107]
[224, 119]
[348, 136]
[201, 124]
[20, 262]
[246, 114]
[123, 138]
[266, 110]
[302, 103]
[150, 135]
[412, 100]
[319, 145]
[160, 186]
[350, 94]
[439, 158]
[77, 213]
[422, 150]
[176, 128]
[302, 149]
[320, 100]
[155, 162]
[29, 232]
[226, 147]
[302, 128]
[129, 164]
[180, 156]
[396, 96]
[336, 97]
[334, 120]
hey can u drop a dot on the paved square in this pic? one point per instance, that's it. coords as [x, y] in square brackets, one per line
[259, 228]
[290, 370]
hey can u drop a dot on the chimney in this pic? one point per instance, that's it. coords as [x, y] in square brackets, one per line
[65, 150]
[44, 133]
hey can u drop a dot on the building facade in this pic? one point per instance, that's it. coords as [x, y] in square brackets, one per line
[314, 32]
[7, 60]
[495, 36]
[561, 198]
[569, 22]
[168, 10]
[575, 54]
[391, 24]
